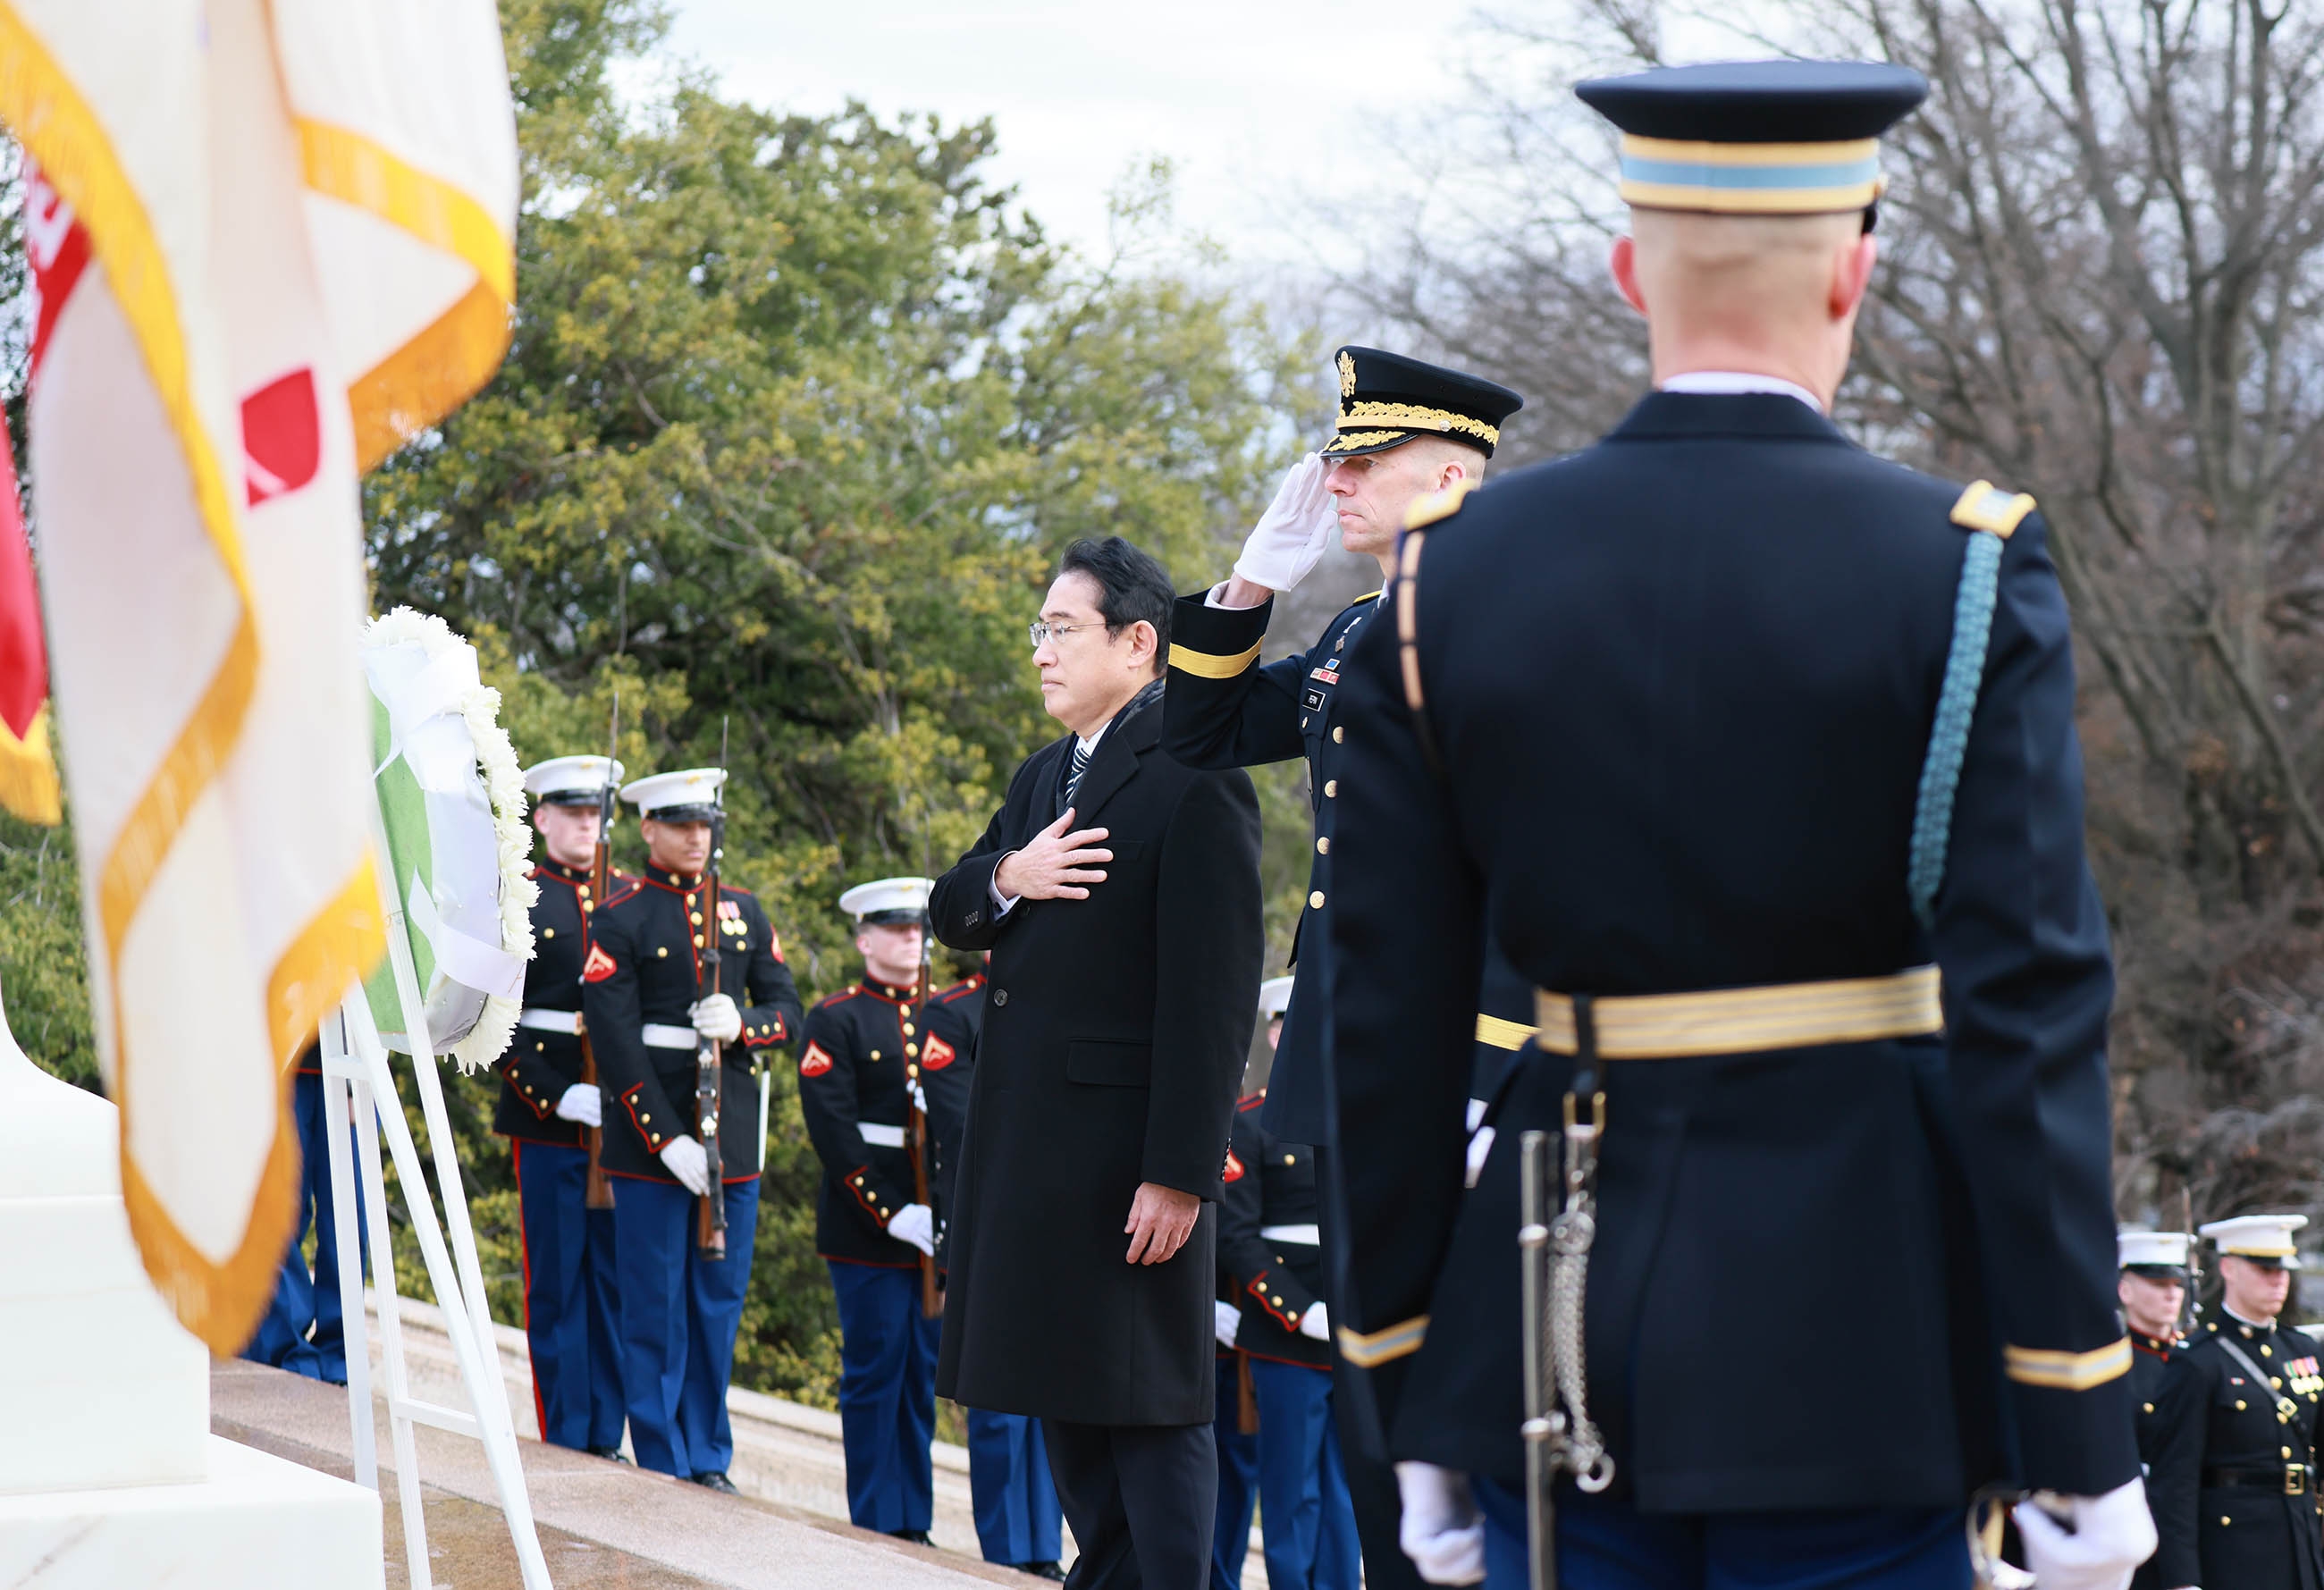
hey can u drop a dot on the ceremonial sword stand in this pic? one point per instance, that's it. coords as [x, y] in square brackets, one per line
[355, 1066]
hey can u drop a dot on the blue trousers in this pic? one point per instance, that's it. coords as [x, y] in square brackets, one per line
[1237, 1483]
[302, 1330]
[1018, 1519]
[569, 1319]
[887, 1395]
[679, 1313]
[1307, 1526]
[1602, 1545]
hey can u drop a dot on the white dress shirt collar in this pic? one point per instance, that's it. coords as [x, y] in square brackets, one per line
[1739, 381]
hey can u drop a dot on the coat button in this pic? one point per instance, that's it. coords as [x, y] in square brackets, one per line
[1000, 995]
[1331, 789]
[1338, 734]
[549, 933]
[2239, 1405]
[1323, 847]
[1290, 1159]
[1316, 900]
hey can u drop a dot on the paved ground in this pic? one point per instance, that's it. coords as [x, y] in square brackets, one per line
[604, 1526]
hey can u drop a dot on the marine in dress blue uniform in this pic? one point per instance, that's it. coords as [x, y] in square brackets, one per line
[571, 1322]
[864, 1051]
[1267, 1239]
[1239, 1447]
[1657, 717]
[1404, 428]
[2154, 1289]
[2233, 1478]
[1019, 1520]
[302, 1329]
[644, 998]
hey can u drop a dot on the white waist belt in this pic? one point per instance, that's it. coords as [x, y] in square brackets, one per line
[568, 1022]
[661, 1036]
[885, 1136]
[1306, 1234]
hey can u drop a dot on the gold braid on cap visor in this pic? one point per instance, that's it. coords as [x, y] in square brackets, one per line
[1411, 416]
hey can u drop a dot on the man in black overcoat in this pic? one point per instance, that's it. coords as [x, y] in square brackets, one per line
[1118, 892]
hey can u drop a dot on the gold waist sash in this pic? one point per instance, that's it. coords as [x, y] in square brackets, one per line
[1744, 1020]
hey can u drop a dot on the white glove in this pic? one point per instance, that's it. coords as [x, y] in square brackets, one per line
[919, 1098]
[717, 1018]
[1443, 1532]
[1315, 1325]
[689, 1163]
[581, 1102]
[915, 1223]
[1294, 531]
[1225, 1320]
[2111, 1535]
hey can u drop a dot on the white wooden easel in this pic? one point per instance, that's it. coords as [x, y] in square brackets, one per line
[356, 1073]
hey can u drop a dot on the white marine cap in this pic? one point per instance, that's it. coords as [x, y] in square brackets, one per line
[888, 899]
[2151, 1250]
[1275, 996]
[2266, 1239]
[569, 781]
[691, 796]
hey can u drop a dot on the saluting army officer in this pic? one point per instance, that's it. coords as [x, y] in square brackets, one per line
[1019, 1520]
[859, 1069]
[1657, 717]
[2234, 1481]
[2153, 1289]
[545, 1110]
[645, 997]
[1405, 429]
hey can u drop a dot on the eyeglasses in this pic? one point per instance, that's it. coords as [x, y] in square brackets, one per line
[1043, 632]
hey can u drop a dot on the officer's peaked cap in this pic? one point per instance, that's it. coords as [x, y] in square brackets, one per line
[1386, 399]
[1756, 137]
[888, 900]
[569, 781]
[2161, 1254]
[2264, 1239]
[690, 796]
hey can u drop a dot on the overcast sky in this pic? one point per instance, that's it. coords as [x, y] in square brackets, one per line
[1251, 99]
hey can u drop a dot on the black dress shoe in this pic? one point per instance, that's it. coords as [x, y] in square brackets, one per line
[715, 1479]
[1043, 1571]
[911, 1537]
[612, 1453]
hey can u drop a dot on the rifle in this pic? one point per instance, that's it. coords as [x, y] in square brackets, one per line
[2194, 1255]
[598, 1191]
[710, 1234]
[1245, 1395]
[916, 1128]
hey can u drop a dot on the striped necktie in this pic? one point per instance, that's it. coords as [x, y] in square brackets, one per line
[1074, 774]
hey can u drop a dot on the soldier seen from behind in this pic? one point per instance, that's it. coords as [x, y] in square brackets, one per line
[1660, 717]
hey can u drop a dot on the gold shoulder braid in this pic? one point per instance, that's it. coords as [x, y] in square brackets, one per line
[1423, 512]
